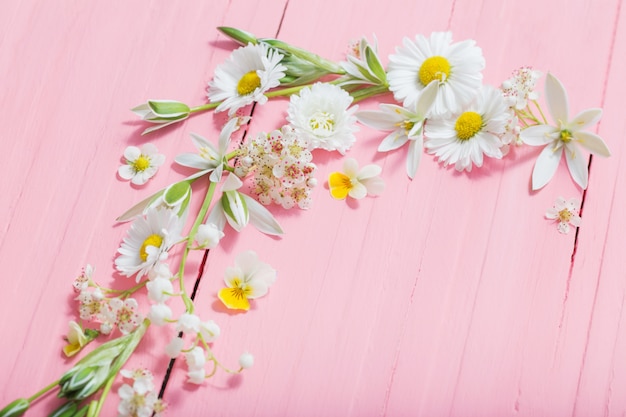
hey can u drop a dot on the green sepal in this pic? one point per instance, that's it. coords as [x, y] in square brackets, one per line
[16, 408]
[168, 109]
[374, 64]
[238, 35]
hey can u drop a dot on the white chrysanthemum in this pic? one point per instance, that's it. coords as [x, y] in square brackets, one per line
[456, 67]
[141, 164]
[464, 137]
[320, 114]
[245, 77]
[149, 238]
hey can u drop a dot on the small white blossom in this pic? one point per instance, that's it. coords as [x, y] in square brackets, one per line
[565, 212]
[188, 323]
[160, 314]
[174, 347]
[246, 360]
[141, 164]
[208, 236]
[160, 290]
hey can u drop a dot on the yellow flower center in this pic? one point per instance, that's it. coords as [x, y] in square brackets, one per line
[434, 68]
[566, 136]
[152, 240]
[248, 83]
[407, 125]
[468, 124]
[323, 121]
[141, 164]
[565, 215]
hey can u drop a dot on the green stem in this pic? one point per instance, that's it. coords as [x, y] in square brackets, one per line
[204, 107]
[43, 391]
[192, 233]
[368, 92]
[105, 393]
[545, 121]
[124, 293]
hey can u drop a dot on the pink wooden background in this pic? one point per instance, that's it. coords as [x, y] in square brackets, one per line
[449, 295]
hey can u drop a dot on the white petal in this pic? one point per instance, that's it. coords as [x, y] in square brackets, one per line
[217, 216]
[393, 141]
[556, 96]
[593, 143]
[577, 165]
[378, 119]
[427, 98]
[132, 153]
[350, 167]
[261, 218]
[126, 172]
[192, 160]
[369, 171]
[358, 191]
[414, 156]
[375, 186]
[585, 118]
[232, 183]
[545, 167]
[538, 135]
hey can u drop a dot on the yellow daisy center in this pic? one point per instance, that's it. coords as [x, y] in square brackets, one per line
[322, 120]
[152, 240]
[248, 83]
[566, 136]
[468, 124]
[340, 185]
[565, 215]
[141, 164]
[434, 68]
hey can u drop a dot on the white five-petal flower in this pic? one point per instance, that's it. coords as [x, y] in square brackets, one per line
[565, 212]
[141, 164]
[564, 135]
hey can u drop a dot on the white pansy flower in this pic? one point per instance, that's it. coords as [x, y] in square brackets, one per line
[563, 136]
[248, 279]
[141, 164]
[406, 125]
[245, 77]
[321, 115]
[149, 239]
[463, 138]
[456, 67]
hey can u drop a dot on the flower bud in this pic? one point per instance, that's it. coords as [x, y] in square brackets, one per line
[235, 209]
[246, 360]
[16, 408]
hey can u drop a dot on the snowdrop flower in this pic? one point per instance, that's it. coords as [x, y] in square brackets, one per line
[320, 114]
[208, 236]
[141, 164]
[209, 158]
[354, 182]
[238, 209]
[248, 279]
[455, 67]
[563, 136]
[464, 137]
[565, 213]
[160, 290]
[149, 239]
[246, 360]
[245, 77]
[406, 125]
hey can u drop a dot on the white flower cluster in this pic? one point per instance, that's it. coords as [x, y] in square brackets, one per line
[137, 395]
[282, 166]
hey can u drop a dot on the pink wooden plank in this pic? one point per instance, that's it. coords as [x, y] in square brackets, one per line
[448, 295]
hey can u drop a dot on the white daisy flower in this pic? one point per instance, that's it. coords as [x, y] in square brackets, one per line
[464, 137]
[141, 164]
[456, 67]
[148, 240]
[565, 212]
[245, 77]
[406, 125]
[564, 135]
[320, 114]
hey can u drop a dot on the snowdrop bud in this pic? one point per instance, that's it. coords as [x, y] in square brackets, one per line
[159, 314]
[208, 236]
[174, 347]
[196, 376]
[311, 182]
[246, 360]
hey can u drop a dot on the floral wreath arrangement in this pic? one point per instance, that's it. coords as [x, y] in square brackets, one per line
[442, 107]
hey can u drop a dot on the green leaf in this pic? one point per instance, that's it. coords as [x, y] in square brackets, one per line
[168, 108]
[238, 35]
[175, 193]
[374, 64]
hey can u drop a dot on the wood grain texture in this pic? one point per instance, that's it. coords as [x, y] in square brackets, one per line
[449, 295]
